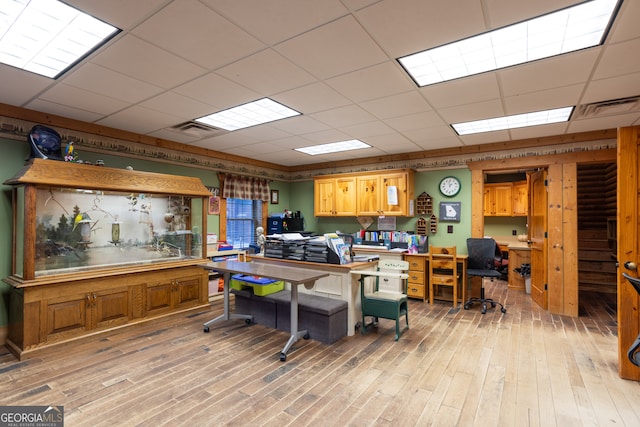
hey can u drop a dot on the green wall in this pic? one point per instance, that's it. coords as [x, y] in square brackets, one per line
[293, 196]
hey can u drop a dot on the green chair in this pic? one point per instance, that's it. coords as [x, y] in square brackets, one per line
[385, 303]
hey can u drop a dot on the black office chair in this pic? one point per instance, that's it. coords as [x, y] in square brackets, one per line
[482, 263]
[634, 351]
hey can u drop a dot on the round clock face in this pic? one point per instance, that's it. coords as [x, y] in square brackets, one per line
[450, 186]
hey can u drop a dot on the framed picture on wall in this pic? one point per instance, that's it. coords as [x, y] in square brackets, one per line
[214, 205]
[275, 197]
[450, 211]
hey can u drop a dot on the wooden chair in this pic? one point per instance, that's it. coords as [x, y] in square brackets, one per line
[443, 271]
[387, 304]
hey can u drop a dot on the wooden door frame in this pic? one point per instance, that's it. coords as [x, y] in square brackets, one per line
[562, 243]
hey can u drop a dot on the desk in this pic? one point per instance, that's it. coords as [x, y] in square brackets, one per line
[419, 275]
[292, 275]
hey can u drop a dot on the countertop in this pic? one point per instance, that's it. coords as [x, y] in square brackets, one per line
[512, 242]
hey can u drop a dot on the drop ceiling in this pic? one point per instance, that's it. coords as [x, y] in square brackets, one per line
[335, 62]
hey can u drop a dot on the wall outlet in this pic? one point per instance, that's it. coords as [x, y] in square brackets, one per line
[514, 232]
[449, 229]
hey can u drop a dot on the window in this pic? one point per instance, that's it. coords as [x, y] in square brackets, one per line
[243, 217]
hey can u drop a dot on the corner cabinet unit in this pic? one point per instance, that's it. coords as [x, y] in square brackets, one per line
[388, 193]
[98, 248]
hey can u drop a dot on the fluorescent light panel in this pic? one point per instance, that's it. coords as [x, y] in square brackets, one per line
[47, 37]
[516, 121]
[334, 147]
[564, 31]
[253, 113]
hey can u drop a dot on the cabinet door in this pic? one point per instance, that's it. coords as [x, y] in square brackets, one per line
[66, 317]
[159, 297]
[497, 200]
[345, 196]
[324, 197]
[109, 308]
[520, 197]
[399, 182]
[368, 195]
[186, 291]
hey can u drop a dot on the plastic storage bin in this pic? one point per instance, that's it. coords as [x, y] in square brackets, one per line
[261, 285]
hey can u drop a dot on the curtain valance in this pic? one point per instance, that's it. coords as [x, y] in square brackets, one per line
[244, 187]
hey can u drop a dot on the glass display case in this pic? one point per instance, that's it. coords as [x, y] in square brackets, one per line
[71, 218]
[97, 248]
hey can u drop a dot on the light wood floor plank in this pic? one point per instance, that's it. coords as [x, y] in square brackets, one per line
[524, 368]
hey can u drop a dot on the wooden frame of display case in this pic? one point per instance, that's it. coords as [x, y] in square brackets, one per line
[60, 307]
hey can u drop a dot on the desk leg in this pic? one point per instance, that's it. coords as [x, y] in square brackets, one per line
[295, 333]
[226, 315]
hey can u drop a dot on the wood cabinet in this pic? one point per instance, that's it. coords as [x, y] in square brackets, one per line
[517, 257]
[138, 259]
[335, 196]
[365, 194]
[506, 199]
[520, 198]
[417, 282]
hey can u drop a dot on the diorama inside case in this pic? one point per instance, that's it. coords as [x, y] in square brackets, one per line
[79, 229]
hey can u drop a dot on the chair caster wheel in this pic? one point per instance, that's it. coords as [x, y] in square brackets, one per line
[283, 357]
[493, 305]
[247, 321]
[504, 310]
[206, 329]
[306, 336]
[467, 306]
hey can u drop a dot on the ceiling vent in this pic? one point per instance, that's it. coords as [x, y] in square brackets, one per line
[197, 130]
[608, 108]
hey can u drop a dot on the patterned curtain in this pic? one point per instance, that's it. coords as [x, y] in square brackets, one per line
[244, 187]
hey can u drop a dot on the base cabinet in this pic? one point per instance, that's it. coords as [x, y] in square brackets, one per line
[416, 284]
[53, 313]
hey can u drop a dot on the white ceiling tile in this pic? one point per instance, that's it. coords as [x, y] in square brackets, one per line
[140, 120]
[367, 130]
[178, 105]
[619, 59]
[196, 33]
[507, 12]
[142, 60]
[485, 138]
[403, 27]
[63, 110]
[373, 82]
[397, 105]
[217, 91]
[82, 99]
[469, 112]
[18, 86]
[344, 116]
[554, 72]
[469, 90]
[626, 27]
[613, 88]
[538, 131]
[415, 121]
[100, 80]
[123, 14]
[266, 72]
[300, 125]
[598, 123]
[275, 21]
[566, 96]
[324, 53]
[312, 98]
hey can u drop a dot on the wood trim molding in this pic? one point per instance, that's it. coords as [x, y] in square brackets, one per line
[15, 123]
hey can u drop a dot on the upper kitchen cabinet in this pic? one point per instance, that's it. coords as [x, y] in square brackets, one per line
[520, 198]
[506, 199]
[335, 196]
[388, 193]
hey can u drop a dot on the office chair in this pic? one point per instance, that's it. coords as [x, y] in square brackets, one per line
[443, 271]
[378, 303]
[634, 351]
[481, 263]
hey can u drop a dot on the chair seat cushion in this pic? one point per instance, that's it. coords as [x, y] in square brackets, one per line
[386, 296]
[483, 273]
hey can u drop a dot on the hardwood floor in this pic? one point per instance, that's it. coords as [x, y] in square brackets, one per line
[525, 368]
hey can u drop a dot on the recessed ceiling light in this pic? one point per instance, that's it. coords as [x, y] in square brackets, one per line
[47, 37]
[516, 121]
[333, 147]
[253, 113]
[566, 30]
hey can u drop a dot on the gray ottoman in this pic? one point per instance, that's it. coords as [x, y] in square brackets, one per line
[325, 319]
[262, 309]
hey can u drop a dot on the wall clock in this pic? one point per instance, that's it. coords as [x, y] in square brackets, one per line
[449, 186]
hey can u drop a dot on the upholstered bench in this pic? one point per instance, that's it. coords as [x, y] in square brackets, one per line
[262, 309]
[325, 319]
